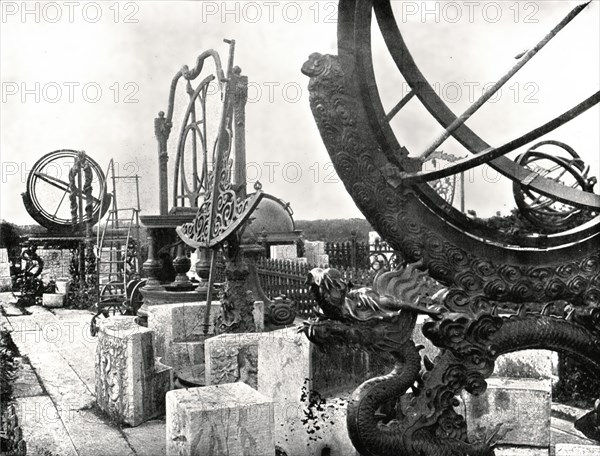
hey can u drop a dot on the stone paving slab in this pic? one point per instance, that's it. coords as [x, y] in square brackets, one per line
[93, 436]
[10, 308]
[147, 439]
[61, 382]
[26, 383]
[42, 427]
[37, 321]
[82, 361]
[47, 333]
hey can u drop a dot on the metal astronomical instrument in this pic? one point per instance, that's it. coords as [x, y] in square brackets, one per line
[505, 290]
[57, 188]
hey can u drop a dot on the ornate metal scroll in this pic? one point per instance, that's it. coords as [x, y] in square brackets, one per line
[224, 210]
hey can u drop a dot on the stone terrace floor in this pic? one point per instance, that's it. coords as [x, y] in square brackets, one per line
[55, 391]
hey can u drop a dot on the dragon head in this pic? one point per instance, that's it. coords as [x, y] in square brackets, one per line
[359, 316]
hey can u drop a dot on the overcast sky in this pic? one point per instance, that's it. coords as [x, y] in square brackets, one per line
[93, 75]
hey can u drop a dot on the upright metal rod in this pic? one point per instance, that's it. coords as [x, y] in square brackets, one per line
[222, 147]
[211, 279]
[489, 93]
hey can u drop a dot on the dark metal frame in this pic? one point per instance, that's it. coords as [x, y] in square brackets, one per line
[550, 285]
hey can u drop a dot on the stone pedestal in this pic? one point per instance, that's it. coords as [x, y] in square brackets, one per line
[53, 300]
[130, 384]
[231, 419]
[179, 333]
[285, 366]
[289, 366]
[523, 405]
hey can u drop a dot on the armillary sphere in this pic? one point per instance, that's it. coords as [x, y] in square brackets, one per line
[505, 290]
[566, 167]
[64, 191]
[402, 170]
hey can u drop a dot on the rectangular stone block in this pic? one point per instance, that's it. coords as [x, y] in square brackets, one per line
[289, 367]
[56, 263]
[184, 354]
[231, 419]
[521, 451]
[187, 320]
[4, 269]
[312, 251]
[130, 384]
[63, 285]
[314, 247]
[568, 449]
[523, 405]
[232, 358]
[283, 365]
[53, 300]
[284, 375]
[178, 331]
[284, 252]
[525, 364]
[5, 284]
[322, 260]
[258, 314]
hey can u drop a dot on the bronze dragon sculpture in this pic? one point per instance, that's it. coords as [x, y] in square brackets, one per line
[502, 293]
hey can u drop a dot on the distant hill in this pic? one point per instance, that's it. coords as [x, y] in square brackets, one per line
[334, 230]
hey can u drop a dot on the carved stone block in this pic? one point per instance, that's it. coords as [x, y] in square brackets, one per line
[231, 419]
[284, 366]
[568, 449]
[522, 405]
[232, 358]
[179, 332]
[130, 384]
